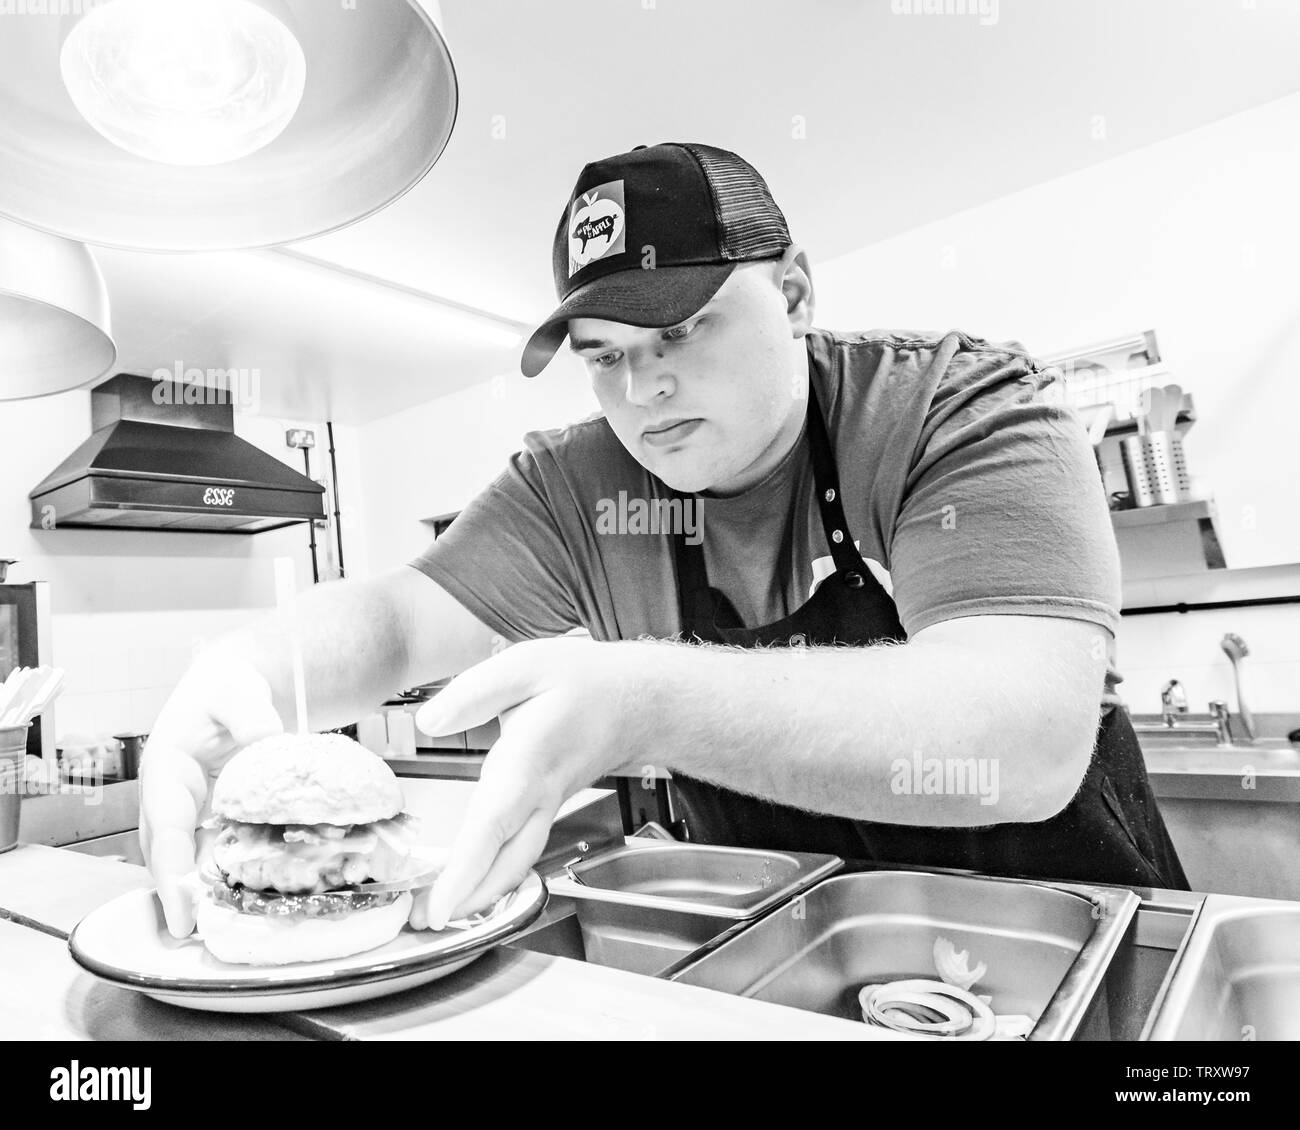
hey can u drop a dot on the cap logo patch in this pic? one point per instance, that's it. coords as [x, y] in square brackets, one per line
[597, 225]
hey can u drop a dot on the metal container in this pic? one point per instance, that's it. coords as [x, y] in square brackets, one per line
[1047, 946]
[1156, 469]
[639, 939]
[13, 753]
[651, 905]
[132, 748]
[1237, 976]
[727, 882]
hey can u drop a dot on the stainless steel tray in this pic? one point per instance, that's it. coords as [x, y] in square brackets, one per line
[736, 883]
[1047, 946]
[1237, 976]
[651, 941]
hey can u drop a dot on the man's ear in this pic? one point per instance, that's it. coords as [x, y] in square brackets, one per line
[797, 286]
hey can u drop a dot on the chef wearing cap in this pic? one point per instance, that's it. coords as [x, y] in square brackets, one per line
[856, 592]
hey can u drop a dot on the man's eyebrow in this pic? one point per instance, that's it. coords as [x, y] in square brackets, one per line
[600, 343]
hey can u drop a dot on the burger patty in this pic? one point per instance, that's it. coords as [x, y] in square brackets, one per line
[303, 859]
[335, 904]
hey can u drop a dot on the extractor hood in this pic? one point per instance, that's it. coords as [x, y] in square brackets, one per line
[164, 456]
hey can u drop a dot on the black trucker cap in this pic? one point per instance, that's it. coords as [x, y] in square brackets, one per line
[649, 236]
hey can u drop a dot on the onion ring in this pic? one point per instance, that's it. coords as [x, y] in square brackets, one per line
[966, 1016]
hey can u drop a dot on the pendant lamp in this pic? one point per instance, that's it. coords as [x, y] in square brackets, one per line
[54, 322]
[206, 125]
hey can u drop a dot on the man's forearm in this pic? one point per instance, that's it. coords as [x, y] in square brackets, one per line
[353, 645]
[910, 734]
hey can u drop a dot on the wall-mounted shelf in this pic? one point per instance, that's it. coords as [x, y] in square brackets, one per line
[1185, 419]
[1160, 515]
[1163, 541]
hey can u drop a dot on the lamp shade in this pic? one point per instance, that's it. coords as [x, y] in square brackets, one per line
[376, 112]
[54, 323]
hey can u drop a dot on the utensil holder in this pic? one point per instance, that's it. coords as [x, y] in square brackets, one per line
[132, 747]
[13, 754]
[1156, 469]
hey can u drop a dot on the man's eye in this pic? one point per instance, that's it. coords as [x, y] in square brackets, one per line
[605, 360]
[679, 332]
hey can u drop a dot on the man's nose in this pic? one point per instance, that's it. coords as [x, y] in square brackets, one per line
[649, 377]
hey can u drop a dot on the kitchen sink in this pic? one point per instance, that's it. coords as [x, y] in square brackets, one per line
[1238, 976]
[1267, 751]
[1047, 946]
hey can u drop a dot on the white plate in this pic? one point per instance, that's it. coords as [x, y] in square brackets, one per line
[126, 943]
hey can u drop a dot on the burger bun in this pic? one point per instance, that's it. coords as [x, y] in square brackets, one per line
[307, 779]
[258, 939]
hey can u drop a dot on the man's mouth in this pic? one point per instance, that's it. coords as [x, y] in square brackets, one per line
[669, 432]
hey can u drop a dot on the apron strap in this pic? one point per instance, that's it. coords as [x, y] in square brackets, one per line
[695, 598]
[827, 478]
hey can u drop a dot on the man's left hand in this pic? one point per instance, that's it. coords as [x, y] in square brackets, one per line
[568, 708]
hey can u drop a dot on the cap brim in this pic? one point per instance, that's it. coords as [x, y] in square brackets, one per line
[660, 297]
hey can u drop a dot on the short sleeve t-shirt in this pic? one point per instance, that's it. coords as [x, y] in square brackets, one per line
[968, 486]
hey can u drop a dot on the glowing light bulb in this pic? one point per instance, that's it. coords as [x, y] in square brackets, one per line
[185, 82]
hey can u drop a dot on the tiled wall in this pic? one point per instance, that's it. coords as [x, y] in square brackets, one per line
[1185, 646]
[121, 666]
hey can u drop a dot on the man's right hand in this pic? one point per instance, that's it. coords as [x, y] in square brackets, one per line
[220, 705]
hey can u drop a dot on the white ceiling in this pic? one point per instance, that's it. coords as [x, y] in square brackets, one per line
[909, 117]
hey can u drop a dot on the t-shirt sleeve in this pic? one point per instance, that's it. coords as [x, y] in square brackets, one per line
[504, 558]
[1003, 509]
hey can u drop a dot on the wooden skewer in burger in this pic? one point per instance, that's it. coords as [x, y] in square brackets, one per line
[300, 820]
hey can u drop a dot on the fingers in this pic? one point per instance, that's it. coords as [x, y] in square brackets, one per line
[173, 788]
[211, 712]
[506, 873]
[503, 805]
[512, 864]
[481, 692]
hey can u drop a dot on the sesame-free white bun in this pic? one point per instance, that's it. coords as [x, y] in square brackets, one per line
[255, 939]
[307, 779]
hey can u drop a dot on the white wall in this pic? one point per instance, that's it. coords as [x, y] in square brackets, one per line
[1196, 237]
[1186, 646]
[129, 606]
[431, 460]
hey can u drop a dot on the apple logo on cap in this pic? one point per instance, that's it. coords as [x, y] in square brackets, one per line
[597, 225]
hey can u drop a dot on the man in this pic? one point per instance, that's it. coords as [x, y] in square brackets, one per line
[742, 630]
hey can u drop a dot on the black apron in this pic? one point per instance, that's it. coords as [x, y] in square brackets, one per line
[1111, 832]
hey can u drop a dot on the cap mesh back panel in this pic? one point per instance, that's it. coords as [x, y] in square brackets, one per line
[751, 224]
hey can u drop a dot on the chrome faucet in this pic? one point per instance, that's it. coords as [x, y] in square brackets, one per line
[1222, 726]
[1173, 701]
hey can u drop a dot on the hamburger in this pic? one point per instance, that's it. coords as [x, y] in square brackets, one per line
[299, 821]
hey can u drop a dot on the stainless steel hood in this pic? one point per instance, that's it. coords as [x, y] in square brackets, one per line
[164, 456]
